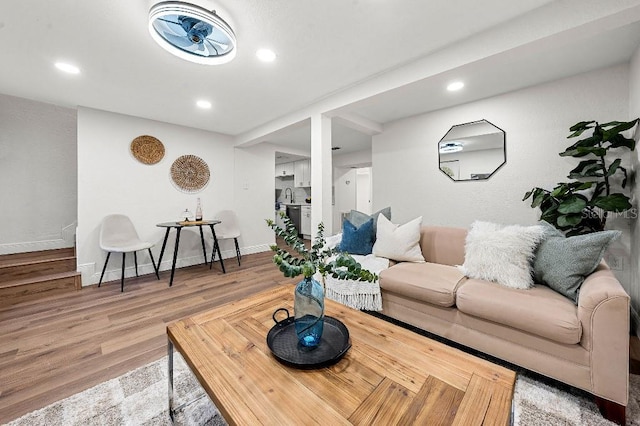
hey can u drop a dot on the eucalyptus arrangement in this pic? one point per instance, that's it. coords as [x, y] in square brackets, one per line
[309, 261]
[309, 294]
[582, 205]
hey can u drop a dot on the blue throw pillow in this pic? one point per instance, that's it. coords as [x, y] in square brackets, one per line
[357, 240]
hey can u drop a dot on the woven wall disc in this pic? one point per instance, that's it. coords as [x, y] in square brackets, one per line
[147, 149]
[190, 173]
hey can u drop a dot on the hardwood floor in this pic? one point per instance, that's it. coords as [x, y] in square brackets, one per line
[55, 345]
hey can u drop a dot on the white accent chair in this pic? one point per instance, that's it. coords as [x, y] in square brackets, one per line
[118, 235]
[227, 229]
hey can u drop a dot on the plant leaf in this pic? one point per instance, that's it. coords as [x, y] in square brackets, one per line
[586, 168]
[569, 220]
[618, 141]
[582, 151]
[574, 203]
[618, 128]
[614, 167]
[613, 203]
[580, 127]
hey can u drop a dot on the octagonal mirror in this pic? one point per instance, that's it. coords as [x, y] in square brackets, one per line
[472, 151]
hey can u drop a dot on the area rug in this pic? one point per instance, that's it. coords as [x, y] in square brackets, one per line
[139, 397]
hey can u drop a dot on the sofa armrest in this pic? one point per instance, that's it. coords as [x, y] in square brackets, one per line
[603, 311]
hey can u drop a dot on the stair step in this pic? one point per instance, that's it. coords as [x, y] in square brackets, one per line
[21, 258]
[26, 269]
[21, 287]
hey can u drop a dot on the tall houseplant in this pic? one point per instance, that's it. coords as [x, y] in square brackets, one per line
[309, 294]
[582, 205]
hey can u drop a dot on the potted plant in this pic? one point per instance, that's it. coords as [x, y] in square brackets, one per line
[583, 205]
[309, 293]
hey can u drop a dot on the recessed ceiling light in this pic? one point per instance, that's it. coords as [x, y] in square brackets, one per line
[203, 104]
[68, 68]
[456, 85]
[266, 55]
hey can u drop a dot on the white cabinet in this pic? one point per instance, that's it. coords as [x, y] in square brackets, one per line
[302, 170]
[305, 220]
[284, 169]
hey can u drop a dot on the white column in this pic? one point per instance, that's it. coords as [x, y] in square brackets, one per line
[321, 174]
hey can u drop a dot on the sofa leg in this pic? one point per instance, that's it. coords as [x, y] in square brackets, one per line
[611, 411]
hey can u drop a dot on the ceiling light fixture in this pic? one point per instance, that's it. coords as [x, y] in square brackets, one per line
[68, 68]
[266, 55]
[192, 33]
[203, 104]
[456, 85]
[449, 147]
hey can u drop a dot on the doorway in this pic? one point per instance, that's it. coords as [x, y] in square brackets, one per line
[352, 191]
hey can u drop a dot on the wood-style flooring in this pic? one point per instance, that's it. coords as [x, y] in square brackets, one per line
[53, 345]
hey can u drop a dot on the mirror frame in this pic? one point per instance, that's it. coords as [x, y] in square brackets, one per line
[504, 150]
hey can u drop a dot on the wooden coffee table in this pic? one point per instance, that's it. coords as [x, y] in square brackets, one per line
[389, 376]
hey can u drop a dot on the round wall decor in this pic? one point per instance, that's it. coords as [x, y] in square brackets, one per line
[147, 149]
[190, 173]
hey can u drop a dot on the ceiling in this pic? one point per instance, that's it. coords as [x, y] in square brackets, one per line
[323, 48]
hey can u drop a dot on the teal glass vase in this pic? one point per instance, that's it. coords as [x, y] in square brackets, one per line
[308, 306]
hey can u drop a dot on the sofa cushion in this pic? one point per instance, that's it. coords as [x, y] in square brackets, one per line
[501, 254]
[538, 310]
[357, 239]
[398, 242]
[428, 282]
[445, 245]
[358, 218]
[563, 263]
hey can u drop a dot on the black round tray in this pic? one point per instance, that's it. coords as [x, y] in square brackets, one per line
[285, 347]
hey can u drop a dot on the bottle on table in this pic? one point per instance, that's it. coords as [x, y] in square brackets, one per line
[198, 211]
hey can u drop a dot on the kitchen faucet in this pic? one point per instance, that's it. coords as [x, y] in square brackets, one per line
[290, 194]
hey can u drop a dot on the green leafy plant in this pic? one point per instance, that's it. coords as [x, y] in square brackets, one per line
[309, 261]
[583, 205]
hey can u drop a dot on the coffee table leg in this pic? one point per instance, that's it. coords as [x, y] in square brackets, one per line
[170, 371]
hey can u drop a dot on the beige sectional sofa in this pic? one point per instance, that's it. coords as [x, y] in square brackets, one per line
[585, 346]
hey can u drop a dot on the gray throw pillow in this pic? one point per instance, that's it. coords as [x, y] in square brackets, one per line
[358, 219]
[563, 263]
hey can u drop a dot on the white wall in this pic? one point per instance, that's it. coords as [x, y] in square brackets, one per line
[536, 121]
[254, 193]
[38, 175]
[634, 112]
[111, 180]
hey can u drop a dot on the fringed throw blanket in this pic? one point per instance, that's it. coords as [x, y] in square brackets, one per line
[358, 294]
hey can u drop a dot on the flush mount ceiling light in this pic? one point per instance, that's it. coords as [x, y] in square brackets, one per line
[192, 33]
[456, 85]
[449, 147]
[203, 104]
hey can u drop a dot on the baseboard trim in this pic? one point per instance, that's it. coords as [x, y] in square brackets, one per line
[28, 246]
[66, 239]
[91, 274]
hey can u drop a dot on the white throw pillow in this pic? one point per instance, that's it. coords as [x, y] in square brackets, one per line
[501, 254]
[398, 242]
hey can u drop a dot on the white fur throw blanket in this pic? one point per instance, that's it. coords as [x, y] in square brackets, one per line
[357, 294]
